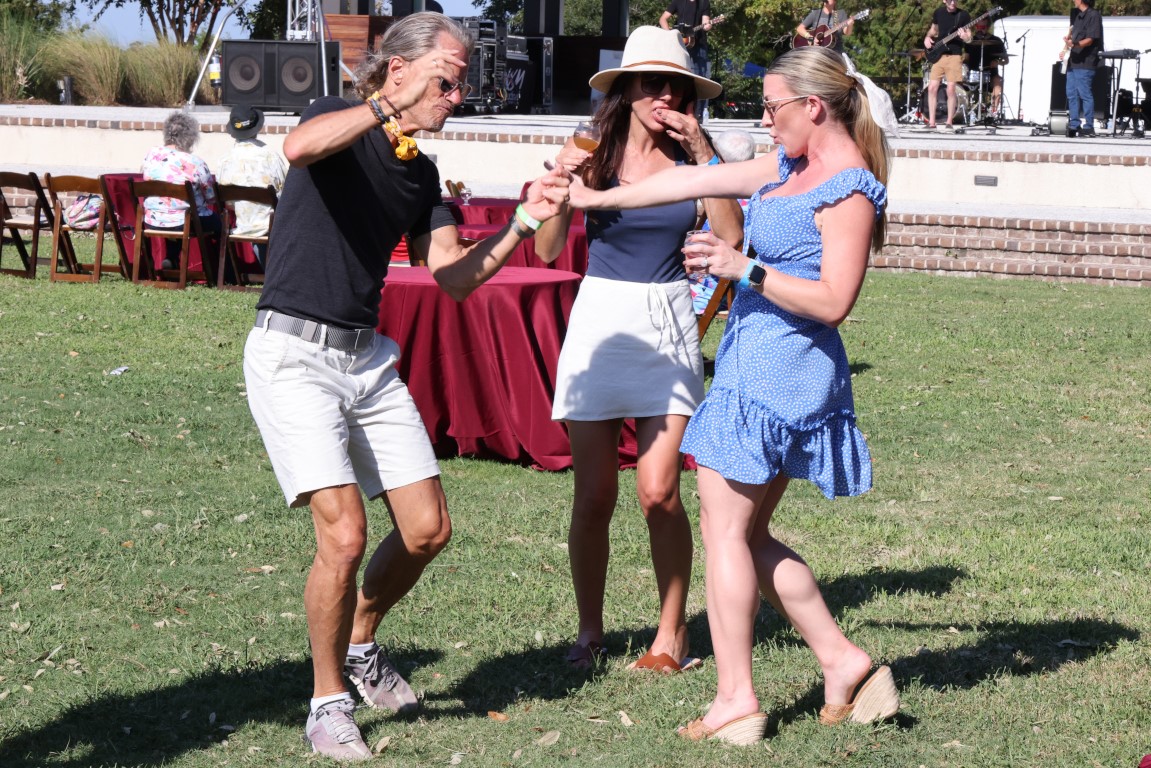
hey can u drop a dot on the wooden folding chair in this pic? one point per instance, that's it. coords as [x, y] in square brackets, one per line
[453, 187]
[724, 288]
[61, 191]
[144, 270]
[230, 242]
[121, 207]
[13, 225]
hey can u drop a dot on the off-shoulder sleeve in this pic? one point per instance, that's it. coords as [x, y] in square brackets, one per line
[850, 181]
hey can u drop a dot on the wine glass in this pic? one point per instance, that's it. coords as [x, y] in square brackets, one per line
[696, 274]
[466, 195]
[586, 135]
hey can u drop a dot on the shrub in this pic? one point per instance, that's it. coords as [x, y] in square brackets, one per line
[21, 47]
[94, 62]
[160, 75]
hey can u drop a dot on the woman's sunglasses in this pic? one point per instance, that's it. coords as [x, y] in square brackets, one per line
[653, 84]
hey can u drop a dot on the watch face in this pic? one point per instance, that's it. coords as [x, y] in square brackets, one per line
[757, 275]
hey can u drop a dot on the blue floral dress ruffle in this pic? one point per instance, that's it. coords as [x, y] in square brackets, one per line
[781, 397]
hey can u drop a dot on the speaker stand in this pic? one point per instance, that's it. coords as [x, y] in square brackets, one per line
[191, 102]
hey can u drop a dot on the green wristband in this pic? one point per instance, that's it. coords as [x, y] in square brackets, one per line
[527, 219]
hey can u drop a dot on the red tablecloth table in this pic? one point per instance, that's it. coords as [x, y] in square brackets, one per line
[482, 371]
[573, 257]
[484, 210]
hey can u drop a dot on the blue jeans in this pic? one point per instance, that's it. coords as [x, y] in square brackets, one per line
[1079, 96]
[701, 63]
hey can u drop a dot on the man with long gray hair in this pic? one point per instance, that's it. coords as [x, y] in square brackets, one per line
[337, 421]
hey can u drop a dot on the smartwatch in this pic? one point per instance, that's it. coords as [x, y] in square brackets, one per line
[756, 275]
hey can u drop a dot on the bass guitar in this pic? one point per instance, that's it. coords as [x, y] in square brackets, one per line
[935, 52]
[687, 33]
[825, 36]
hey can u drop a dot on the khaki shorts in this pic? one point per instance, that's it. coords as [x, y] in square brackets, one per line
[333, 418]
[950, 65]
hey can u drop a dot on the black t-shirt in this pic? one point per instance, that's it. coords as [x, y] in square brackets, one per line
[337, 223]
[947, 23]
[690, 13]
[1089, 23]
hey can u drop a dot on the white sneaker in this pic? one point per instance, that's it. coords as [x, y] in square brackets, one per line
[380, 683]
[333, 732]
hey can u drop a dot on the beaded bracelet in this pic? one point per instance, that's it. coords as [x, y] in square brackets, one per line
[377, 111]
[527, 219]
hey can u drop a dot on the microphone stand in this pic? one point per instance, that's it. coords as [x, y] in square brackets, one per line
[1022, 68]
[907, 115]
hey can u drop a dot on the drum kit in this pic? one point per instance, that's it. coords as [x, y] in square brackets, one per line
[973, 94]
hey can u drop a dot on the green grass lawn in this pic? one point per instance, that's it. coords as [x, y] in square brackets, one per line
[151, 578]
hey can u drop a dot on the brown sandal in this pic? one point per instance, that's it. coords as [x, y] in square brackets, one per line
[665, 663]
[742, 731]
[876, 699]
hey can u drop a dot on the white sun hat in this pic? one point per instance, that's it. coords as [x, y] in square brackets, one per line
[652, 49]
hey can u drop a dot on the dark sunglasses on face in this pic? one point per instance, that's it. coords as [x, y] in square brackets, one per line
[447, 87]
[653, 84]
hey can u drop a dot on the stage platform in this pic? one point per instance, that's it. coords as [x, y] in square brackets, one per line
[1000, 202]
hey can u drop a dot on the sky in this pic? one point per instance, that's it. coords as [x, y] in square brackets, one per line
[124, 25]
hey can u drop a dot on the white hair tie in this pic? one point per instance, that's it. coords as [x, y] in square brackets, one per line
[881, 110]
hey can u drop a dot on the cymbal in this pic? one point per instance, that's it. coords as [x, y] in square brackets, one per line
[915, 53]
[985, 42]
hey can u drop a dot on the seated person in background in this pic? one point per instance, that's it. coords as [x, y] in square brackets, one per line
[174, 162]
[732, 146]
[251, 163]
[986, 53]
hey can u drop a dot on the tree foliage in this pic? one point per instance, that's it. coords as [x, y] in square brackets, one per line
[184, 22]
[43, 15]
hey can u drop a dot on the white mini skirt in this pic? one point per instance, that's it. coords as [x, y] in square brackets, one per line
[631, 350]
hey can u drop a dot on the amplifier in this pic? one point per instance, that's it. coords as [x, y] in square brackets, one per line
[1100, 90]
[486, 75]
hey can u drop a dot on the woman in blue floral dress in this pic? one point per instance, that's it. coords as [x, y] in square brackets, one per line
[780, 405]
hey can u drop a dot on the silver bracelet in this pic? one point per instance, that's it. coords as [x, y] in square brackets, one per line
[524, 232]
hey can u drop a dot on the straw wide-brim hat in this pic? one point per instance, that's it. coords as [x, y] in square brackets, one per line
[652, 49]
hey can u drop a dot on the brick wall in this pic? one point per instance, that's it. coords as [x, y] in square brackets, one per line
[1047, 249]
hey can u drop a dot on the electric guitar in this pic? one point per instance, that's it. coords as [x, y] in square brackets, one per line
[1065, 55]
[936, 51]
[823, 36]
[687, 33]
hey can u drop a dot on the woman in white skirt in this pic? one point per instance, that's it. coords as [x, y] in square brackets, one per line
[632, 348]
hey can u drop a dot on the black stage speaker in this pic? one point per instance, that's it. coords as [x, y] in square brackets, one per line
[1100, 89]
[541, 50]
[278, 75]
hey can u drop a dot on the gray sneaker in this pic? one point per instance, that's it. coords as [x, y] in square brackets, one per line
[334, 734]
[379, 682]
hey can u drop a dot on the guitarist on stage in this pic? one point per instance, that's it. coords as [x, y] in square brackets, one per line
[825, 16]
[1085, 43]
[948, 19]
[690, 14]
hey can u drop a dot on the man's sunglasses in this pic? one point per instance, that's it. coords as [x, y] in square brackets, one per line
[446, 88]
[653, 84]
